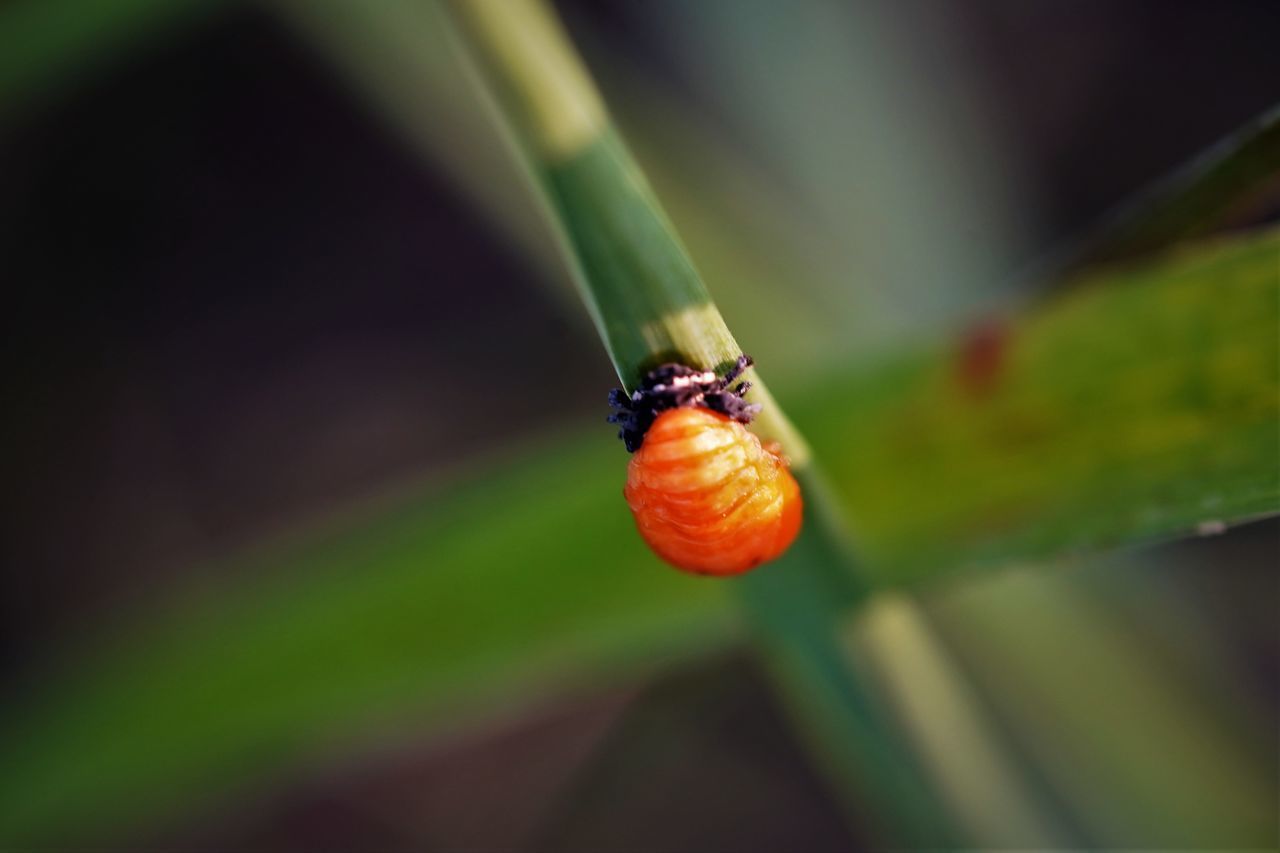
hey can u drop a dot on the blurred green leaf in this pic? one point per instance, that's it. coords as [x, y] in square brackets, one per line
[1127, 742]
[47, 43]
[1230, 184]
[462, 604]
[399, 62]
[1140, 405]
[489, 595]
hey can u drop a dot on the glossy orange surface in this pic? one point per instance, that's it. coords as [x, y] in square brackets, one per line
[708, 497]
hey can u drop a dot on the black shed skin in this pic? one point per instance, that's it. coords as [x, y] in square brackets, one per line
[679, 386]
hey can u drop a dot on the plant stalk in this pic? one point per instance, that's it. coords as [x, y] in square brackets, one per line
[650, 306]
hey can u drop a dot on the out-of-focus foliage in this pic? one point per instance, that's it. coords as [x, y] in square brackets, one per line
[1142, 713]
[1231, 183]
[1139, 403]
[416, 616]
[427, 610]
[45, 44]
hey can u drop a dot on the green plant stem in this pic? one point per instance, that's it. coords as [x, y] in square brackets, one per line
[650, 306]
[634, 275]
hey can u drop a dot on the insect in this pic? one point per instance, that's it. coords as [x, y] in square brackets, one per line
[707, 495]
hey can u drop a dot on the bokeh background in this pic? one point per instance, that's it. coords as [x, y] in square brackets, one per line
[251, 297]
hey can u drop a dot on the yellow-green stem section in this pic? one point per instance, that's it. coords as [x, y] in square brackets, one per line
[647, 300]
[651, 306]
[545, 88]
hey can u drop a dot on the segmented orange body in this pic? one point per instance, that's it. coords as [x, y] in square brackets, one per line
[708, 497]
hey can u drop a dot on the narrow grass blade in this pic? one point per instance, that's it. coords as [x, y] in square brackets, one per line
[46, 43]
[1232, 184]
[463, 604]
[650, 306]
[484, 597]
[1141, 756]
[1140, 405]
[1151, 394]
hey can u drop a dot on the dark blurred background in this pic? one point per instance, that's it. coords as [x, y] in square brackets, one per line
[237, 303]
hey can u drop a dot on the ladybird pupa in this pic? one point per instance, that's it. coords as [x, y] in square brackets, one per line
[708, 497]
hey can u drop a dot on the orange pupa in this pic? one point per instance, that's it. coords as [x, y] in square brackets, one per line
[707, 496]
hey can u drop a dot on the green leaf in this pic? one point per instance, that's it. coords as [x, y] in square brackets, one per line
[1226, 186]
[1149, 397]
[1140, 405]
[650, 306]
[488, 596]
[46, 43]
[1125, 729]
[634, 275]
[461, 604]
